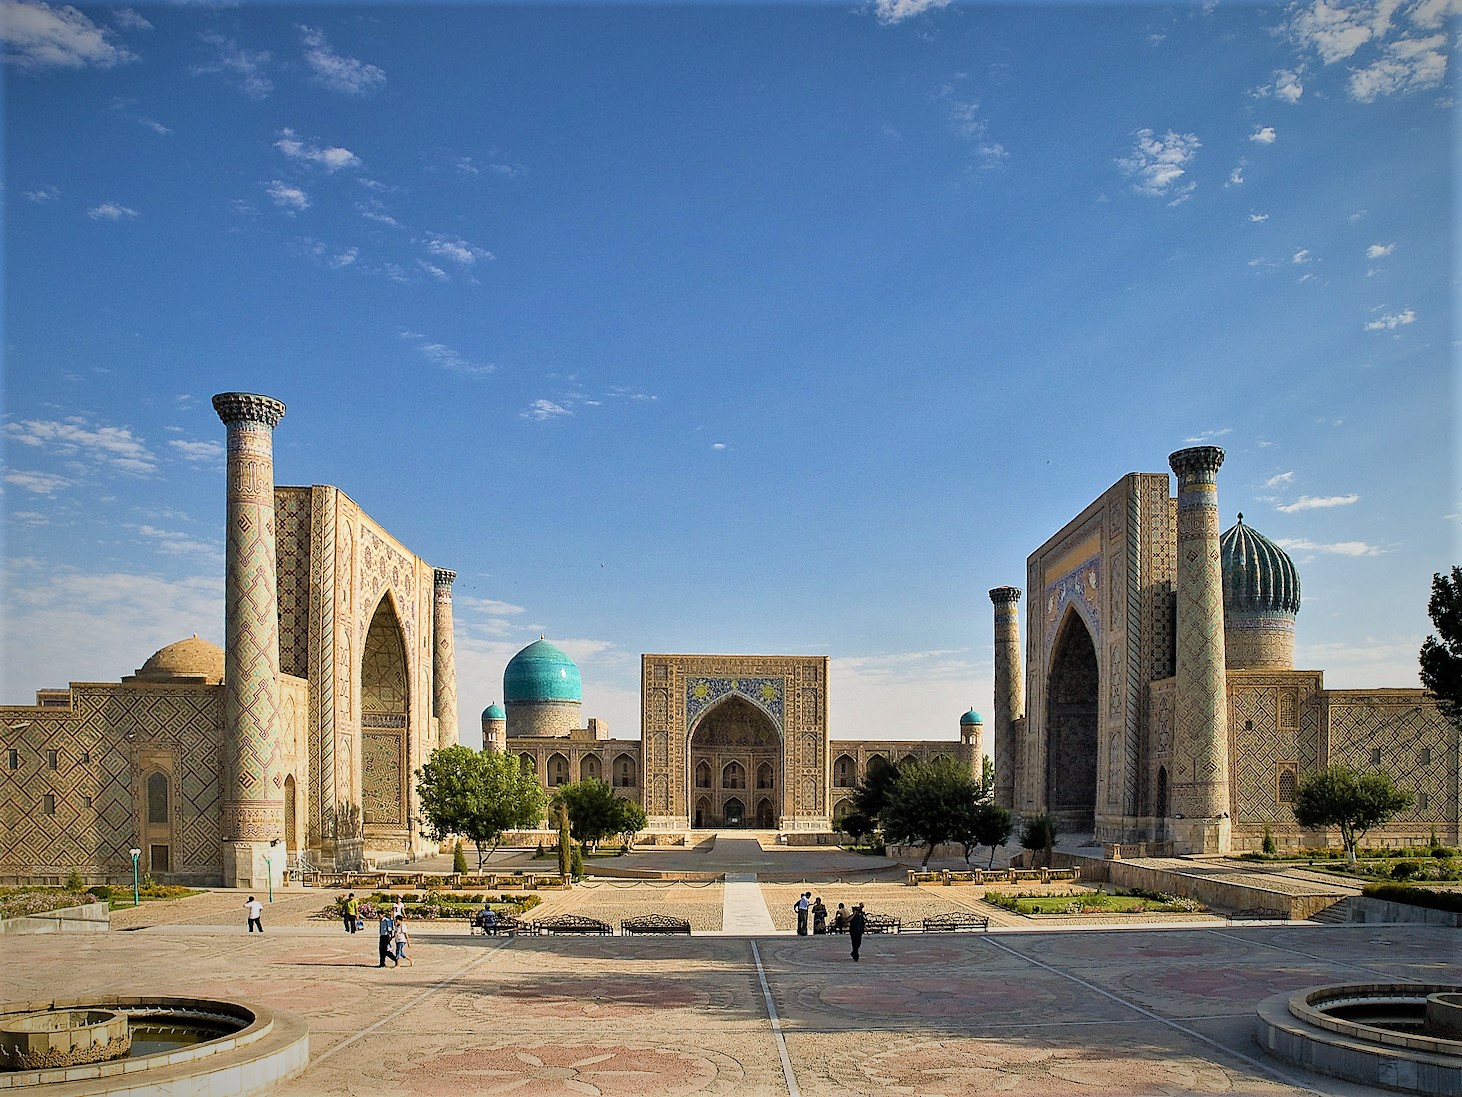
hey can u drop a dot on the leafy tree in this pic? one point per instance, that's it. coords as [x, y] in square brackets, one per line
[987, 777]
[1441, 655]
[857, 826]
[872, 790]
[596, 813]
[990, 825]
[1340, 796]
[477, 794]
[929, 803]
[1039, 833]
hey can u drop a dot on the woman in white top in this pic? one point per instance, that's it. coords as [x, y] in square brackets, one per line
[402, 941]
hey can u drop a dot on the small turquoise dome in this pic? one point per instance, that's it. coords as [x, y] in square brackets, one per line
[1258, 575]
[494, 711]
[971, 717]
[541, 672]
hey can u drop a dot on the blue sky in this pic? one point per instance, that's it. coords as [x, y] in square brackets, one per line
[725, 328]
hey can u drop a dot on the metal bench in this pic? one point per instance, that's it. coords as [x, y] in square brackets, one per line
[570, 923]
[654, 923]
[954, 921]
[506, 926]
[882, 923]
[1258, 914]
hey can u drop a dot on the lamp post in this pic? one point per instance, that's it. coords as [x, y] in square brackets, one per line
[136, 853]
[269, 868]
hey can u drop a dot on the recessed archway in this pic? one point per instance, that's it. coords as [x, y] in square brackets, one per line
[1072, 689]
[733, 748]
[385, 696]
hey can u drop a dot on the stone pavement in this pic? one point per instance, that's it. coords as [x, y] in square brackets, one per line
[1145, 1011]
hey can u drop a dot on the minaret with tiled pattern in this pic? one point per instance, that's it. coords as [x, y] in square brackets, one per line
[1009, 690]
[444, 658]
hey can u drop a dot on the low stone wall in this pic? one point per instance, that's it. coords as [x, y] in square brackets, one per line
[86, 918]
[1362, 908]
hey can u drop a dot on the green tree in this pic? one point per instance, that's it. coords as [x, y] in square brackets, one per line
[857, 826]
[872, 790]
[1441, 655]
[991, 825]
[1340, 796]
[477, 794]
[459, 859]
[596, 813]
[929, 803]
[1039, 833]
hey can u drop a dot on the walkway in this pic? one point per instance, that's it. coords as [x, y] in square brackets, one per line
[744, 910]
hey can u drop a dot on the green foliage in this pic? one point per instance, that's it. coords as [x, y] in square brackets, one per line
[991, 825]
[74, 883]
[1443, 853]
[1404, 870]
[857, 825]
[540, 853]
[1340, 796]
[459, 858]
[1269, 846]
[596, 813]
[477, 794]
[1417, 897]
[576, 861]
[101, 891]
[1039, 833]
[929, 803]
[872, 790]
[1441, 654]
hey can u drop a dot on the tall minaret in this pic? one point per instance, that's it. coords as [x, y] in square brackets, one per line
[252, 798]
[1009, 690]
[444, 659]
[1200, 779]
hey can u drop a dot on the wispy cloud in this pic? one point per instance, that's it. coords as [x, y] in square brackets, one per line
[1336, 548]
[130, 19]
[965, 119]
[718, 445]
[1391, 49]
[445, 357]
[111, 211]
[541, 410]
[41, 483]
[1316, 502]
[343, 74]
[1258, 218]
[896, 11]
[175, 543]
[1301, 257]
[1158, 162]
[246, 68]
[1236, 177]
[490, 606]
[287, 196]
[331, 158]
[116, 447]
[39, 36]
[1391, 320]
[45, 193]
[1379, 251]
[1279, 478]
[458, 251]
[199, 452]
[1207, 436]
[1263, 135]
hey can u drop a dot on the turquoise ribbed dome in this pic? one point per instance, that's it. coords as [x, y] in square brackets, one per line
[494, 711]
[541, 672]
[1258, 575]
[971, 717]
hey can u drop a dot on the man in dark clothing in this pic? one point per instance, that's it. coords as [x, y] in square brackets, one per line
[855, 928]
[388, 930]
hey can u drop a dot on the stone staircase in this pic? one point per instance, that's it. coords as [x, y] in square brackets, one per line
[1337, 914]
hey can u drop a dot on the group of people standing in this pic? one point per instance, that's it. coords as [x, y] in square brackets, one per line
[394, 940]
[851, 922]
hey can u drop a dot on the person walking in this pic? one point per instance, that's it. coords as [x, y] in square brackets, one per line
[801, 906]
[819, 917]
[387, 933]
[350, 913]
[256, 914]
[401, 940]
[855, 929]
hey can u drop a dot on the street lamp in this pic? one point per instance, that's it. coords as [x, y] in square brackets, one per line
[136, 853]
[269, 868]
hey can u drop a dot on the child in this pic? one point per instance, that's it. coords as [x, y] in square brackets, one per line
[401, 940]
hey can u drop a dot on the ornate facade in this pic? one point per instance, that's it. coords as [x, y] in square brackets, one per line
[728, 740]
[1162, 703]
[294, 741]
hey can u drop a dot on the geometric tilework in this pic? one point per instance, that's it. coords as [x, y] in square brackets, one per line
[381, 773]
[292, 549]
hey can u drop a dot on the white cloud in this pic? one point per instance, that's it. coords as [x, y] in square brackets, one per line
[344, 258]
[1391, 59]
[1313, 502]
[286, 196]
[907, 695]
[1409, 64]
[1236, 177]
[38, 36]
[1280, 478]
[374, 211]
[1301, 257]
[41, 483]
[332, 159]
[490, 606]
[117, 447]
[718, 445]
[1208, 436]
[1379, 251]
[1258, 218]
[247, 67]
[435, 271]
[1287, 86]
[445, 357]
[111, 211]
[126, 17]
[343, 74]
[896, 11]
[1336, 548]
[965, 120]
[541, 410]
[1263, 135]
[1336, 31]
[180, 544]
[198, 451]
[458, 251]
[1158, 162]
[46, 193]
[1392, 320]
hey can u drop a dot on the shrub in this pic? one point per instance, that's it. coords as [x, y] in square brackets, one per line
[459, 859]
[539, 854]
[576, 861]
[1415, 896]
[1269, 845]
[73, 882]
[1443, 853]
[1404, 870]
[103, 892]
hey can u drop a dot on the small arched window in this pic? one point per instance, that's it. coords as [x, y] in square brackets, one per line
[157, 798]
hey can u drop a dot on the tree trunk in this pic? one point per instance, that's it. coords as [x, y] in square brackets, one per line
[992, 856]
[479, 855]
[928, 853]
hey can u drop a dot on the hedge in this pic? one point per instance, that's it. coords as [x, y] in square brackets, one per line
[1416, 897]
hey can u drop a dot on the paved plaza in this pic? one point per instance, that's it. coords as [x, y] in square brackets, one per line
[1092, 1011]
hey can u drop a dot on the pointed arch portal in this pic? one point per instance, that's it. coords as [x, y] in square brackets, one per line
[1071, 726]
[738, 745]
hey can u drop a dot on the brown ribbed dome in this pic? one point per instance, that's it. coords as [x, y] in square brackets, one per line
[191, 660]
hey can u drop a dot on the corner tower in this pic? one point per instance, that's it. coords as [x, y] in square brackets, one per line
[252, 795]
[1009, 690]
[1200, 780]
[444, 658]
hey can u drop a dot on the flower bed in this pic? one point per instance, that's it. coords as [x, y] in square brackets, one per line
[432, 905]
[1094, 902]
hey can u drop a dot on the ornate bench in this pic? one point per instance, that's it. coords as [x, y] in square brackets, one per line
[954, 921]
[506, 926]
[882, 923]
[1256, 914]
[570, 923]
[654, 923]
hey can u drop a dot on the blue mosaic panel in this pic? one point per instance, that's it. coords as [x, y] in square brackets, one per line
[765, 693]
[1082, 585]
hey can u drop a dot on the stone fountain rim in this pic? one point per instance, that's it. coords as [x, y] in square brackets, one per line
[1303, 1005]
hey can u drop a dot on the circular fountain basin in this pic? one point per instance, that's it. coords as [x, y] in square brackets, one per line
[1375, 1033]
[177, 1045]
[63, 1038]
